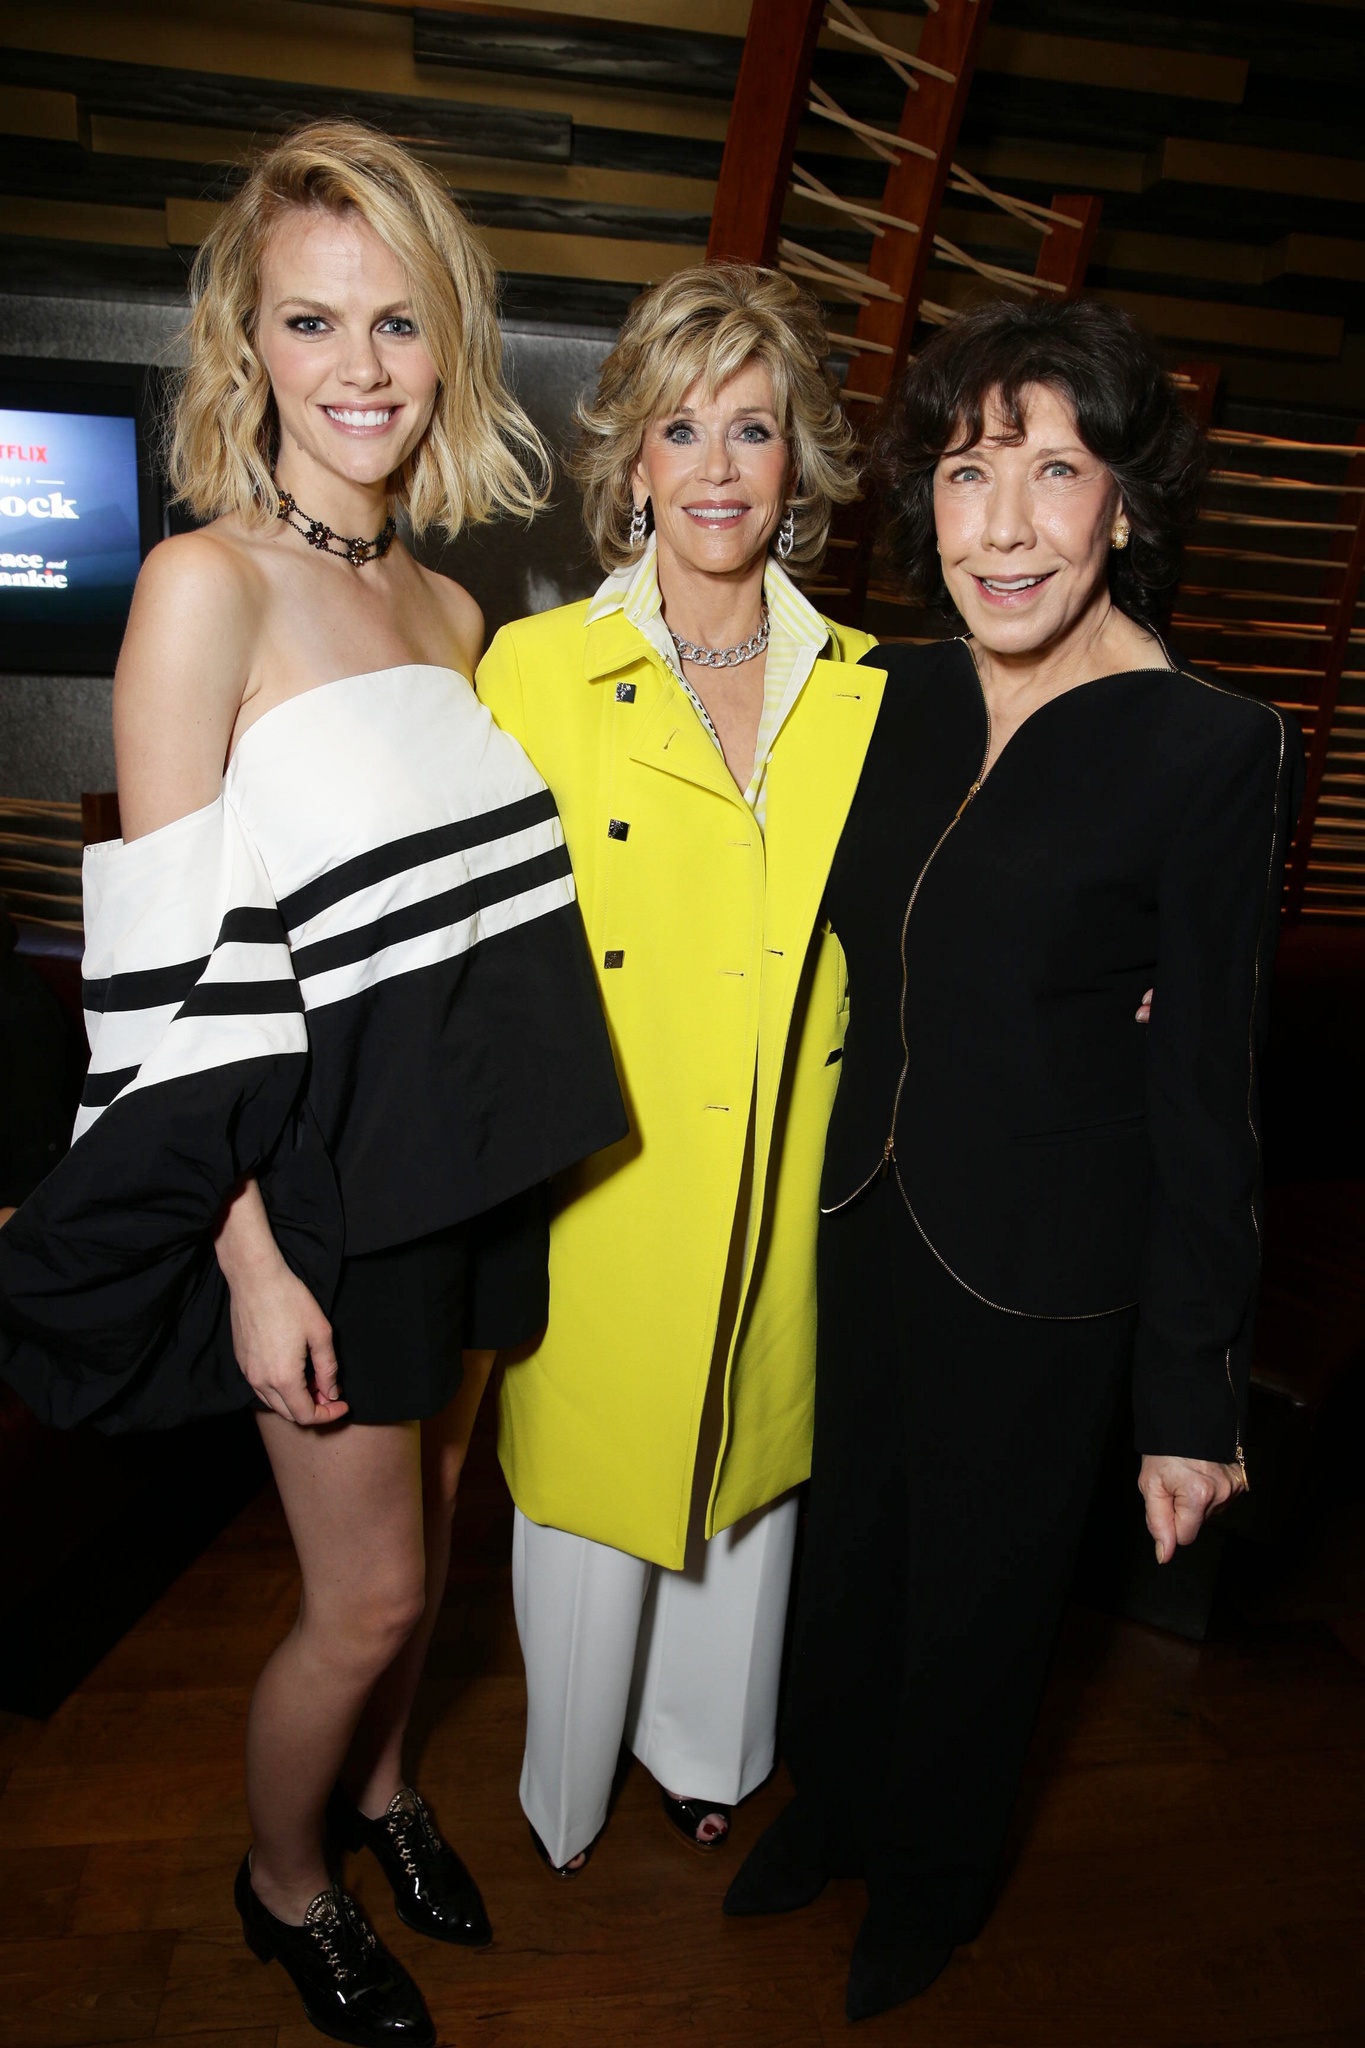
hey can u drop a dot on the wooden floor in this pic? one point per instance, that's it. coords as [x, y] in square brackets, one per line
[1189, 1869]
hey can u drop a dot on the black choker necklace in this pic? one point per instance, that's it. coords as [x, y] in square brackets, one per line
[357, 552]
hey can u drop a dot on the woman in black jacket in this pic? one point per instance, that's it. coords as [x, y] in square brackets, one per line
[1029, 1190]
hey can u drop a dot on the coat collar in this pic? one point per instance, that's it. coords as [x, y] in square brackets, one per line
[672, 739]
[610, 644]
[814, 771]
[816, 759]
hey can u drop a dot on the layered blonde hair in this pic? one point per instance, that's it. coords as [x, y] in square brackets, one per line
[480, 453]
[704, 324]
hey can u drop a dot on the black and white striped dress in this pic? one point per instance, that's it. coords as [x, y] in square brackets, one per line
[359, 975]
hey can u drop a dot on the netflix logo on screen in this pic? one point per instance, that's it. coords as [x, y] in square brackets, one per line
[68, 515]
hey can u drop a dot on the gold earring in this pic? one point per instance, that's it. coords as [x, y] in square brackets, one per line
[1121, 535]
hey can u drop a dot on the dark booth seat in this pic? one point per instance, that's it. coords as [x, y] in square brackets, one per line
[1310, 1341]
[92, 1529]
[1308, 1370]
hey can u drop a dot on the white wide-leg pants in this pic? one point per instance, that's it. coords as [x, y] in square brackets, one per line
[682, 1666]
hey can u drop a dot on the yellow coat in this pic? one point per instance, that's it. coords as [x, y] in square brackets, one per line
[715, 976]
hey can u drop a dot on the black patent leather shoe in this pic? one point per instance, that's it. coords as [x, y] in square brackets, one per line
[573, 1868]
[892, 1964]
[786, 1869]
[689, 1816]
[433, 1892]
[352, 1988]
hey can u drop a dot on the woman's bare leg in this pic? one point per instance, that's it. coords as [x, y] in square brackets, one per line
[374, 1765]
[352, 1493]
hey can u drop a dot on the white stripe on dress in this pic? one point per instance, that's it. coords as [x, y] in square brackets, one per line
[310, 803]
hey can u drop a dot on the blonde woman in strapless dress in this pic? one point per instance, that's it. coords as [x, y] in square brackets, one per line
[343, 1022]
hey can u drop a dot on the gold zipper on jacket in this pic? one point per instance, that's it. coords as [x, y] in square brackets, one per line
[888, 1160]
[1239, 1454]
[878, 1170]
[1237, 1448]
[889, 1148]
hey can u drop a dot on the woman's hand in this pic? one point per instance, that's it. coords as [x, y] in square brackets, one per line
[1181, 1494]
[5, 1214]
[277, 1326]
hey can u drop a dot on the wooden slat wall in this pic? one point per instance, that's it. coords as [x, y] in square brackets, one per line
[588, 141]
[1271, 604]
[40, 862]
[1327, 871]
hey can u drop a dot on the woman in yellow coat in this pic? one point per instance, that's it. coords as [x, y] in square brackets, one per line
[702, 729]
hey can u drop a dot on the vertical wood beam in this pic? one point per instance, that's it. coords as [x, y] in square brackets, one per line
[1338, 647]
[932, 116]
[770, 100]
[1065, 254]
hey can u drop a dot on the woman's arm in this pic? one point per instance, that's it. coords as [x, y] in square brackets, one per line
[1219, 911]
[181, 675]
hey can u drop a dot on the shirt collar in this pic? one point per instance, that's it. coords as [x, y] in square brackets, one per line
[633, 590]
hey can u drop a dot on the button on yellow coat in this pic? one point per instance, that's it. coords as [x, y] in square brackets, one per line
[724, 998]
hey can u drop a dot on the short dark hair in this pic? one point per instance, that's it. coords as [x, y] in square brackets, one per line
[1127, 412]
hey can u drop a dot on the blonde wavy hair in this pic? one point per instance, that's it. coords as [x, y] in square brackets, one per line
[480, 453]
[705, 323]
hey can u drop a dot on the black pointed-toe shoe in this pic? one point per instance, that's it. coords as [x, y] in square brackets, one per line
[892, 1964]
[352, 1988]
[785, 1870]
[433, 1892]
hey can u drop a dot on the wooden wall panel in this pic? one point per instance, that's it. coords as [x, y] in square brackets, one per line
[1225, 149]
[770, 99]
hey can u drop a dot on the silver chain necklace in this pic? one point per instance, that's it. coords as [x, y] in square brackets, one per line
[722, 657]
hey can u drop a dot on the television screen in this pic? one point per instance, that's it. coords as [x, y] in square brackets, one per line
[69, 517]
[80, 505]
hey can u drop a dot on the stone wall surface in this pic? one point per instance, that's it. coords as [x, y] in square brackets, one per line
[56, 737]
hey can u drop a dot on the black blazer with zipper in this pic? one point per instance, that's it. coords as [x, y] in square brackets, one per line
[1061, 1159]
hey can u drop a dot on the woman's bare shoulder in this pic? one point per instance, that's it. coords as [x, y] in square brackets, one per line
[197, 593]
[214, 564]
[181, 674]
[461, 615]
